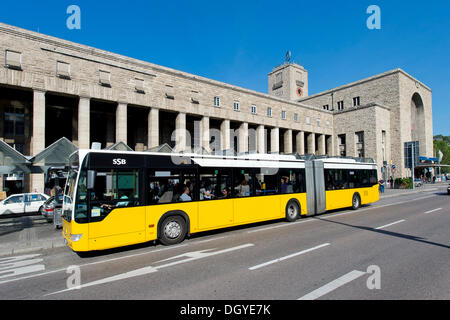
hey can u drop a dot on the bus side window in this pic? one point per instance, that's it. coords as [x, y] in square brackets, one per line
[164, 185]
[267, 181]
[242, 186]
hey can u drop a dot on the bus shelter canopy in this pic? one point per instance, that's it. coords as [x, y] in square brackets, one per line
[56, 154]
[11, 160]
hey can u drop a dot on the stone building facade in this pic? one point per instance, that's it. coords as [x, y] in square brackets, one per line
[51, 88]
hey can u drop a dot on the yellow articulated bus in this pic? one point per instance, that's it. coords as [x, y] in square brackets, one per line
[115, 199]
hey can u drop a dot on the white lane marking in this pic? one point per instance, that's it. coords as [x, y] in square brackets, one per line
[430, 211]
[190, 256]
[310, 219]
[112, 259]
[288, 257]
[390, 224]
[98, 262]
[18, 265]
[333, 285]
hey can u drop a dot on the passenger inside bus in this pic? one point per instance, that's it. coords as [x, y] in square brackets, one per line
[185, 195]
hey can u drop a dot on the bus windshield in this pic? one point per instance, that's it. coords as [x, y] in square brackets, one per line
[69, 190]
[69, 194]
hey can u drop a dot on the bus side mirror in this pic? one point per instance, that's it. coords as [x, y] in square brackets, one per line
[91, 175]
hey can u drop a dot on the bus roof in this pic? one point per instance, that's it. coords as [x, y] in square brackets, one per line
[225, 160]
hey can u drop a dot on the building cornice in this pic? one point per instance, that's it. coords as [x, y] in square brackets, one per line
[50, 43]
[372, 78]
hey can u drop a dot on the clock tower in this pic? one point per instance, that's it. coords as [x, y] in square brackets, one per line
[288, 81]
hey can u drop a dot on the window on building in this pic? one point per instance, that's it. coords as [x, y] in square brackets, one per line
[170, 92]
[342, 145]
[326, 107]
[318, 122]
[14, 121]
[308, 120]
[139, 85]
[269, 111]
[340, 105]
[236, 106]
[296, 117]
[356, 101]
[63, 70]
[283, 115]
[253, 109]
[105, 78]
[216, 101]
[360, 144]
[13, 59]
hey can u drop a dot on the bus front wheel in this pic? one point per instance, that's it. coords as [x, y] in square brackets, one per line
[173, 230]
[356, 201]
[292, 211]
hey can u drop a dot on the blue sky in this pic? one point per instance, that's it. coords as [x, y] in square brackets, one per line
[239, 42]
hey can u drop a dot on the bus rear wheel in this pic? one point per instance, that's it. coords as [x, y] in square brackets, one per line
[356, 201]
[292, 211]
[173, 230]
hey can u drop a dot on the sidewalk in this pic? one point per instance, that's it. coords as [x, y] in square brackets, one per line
[388, 193]
[28, 234]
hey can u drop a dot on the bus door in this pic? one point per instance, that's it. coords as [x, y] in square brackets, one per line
[215, 208]
[315, 187]
[116, 212]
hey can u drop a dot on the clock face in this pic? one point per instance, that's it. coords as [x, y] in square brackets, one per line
[299, 92]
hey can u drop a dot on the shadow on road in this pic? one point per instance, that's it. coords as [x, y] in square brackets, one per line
[8, 226]
[389, 233]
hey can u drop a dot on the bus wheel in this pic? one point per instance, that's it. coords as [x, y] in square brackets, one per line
[356, 201]
[173, 230]
[292, 211]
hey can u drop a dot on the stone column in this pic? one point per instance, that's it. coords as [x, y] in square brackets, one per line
[38, 137]
[260, 137]
[121, 122]
[288, 142]
[204, 133]
[84, 116]
[330, 146]
[153, 128]
[243, 138]
[300, 143]
[225, 135]
[180, 132]
[321, 145]
[275, 140]
[311, 143]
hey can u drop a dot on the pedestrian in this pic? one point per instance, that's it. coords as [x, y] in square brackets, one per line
[381, 183]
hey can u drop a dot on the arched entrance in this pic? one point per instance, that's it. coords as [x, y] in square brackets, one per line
[418, 121]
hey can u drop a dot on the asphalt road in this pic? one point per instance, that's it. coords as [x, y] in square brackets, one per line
[398, 248]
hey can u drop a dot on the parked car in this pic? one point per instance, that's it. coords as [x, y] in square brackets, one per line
[47, 208]
[448, 189]
[23, 203]
[418, 182]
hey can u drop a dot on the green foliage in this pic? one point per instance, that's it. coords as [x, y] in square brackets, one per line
[443, 143]
[403, 183]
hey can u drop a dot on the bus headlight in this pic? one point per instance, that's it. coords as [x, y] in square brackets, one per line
[75, 237]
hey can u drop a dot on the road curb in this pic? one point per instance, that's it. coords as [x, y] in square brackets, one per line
[407, 193]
